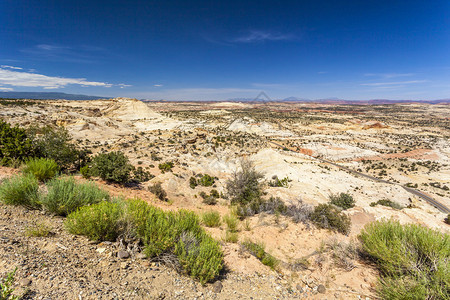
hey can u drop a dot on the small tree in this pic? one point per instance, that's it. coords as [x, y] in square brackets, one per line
[343, 200]
[245, 186]
[112, 167]
[14, 144]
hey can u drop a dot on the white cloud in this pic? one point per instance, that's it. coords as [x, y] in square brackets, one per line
[255, 36]
[11, 67]
[158, 85]
[123, 85]
[393, 83]
[3, 89]
[25, 79]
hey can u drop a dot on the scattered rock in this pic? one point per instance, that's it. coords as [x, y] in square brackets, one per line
[217, 287]
[122, 254]
[101, 250]
[25, 282]
[321, 289]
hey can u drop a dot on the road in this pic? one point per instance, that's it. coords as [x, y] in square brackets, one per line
[441, 207]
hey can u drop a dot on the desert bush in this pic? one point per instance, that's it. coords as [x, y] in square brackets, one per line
[245, 186]
[211, 219]
[112, 167]
[159, 192]
[55, 143]
[140, 175]
[65, 195]
[231, 236]
[86, 172]
[199, 255]
[275, 182]
[20, 190]
[388, 203]
[99, 222]
[206, 180]
[273, 205]
[210, 199]
[15, 145]
[165, 167]
[299, 212]
[412, 259]
[193, 182]
[447, 220]
[6, 289]
[342, 200]
[328, 216]
[41, 168]
[38, 229]
[258, 250]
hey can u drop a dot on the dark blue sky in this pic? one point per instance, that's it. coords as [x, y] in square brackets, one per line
[227, 49]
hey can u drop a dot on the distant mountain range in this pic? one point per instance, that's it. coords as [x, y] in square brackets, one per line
[47, 96]
[334, 100]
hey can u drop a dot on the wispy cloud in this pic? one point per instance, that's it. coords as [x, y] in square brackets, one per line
[10, 67]
[258, 36]
[26, 79]
[389, 75]
[158, 85]
[393, 83]
[123, 85]
[77, 54]
[3, 89]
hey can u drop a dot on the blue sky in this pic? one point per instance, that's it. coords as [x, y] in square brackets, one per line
[211, 50]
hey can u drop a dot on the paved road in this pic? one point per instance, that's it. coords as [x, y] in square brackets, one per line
[427, 198]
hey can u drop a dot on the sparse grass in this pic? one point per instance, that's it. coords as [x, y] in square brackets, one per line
[165, 167]
[231, 236]
[41, 168]
[6, 289]
[20, 190]
[65, 195]
[412, 259]
[328, 216]
[99, 222]
[258, 250]
[211, 219]
[38, 229]
[388, 203]
[247, 225]
[232, 222]
[342, 200]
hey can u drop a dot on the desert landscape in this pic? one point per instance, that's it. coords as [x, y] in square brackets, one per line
[306, 152]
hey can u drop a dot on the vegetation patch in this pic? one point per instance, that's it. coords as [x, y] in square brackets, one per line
[20, 190]
[329, 217]
[41, 168]
[65, 195]
[166, 167]
[99, 222]
[159, 192]
[388, 203]
[38, 229]
[112, 167]
[15, 145]
[412, 259]
[258, 250]
[6, 289]
[275, 182]
[342, 200]
[211, 219]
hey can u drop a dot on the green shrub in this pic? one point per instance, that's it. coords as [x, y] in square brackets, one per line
[165, 167]
[200, 256]
[210, 199]
[258, 250]
[41, 168]
[388, 203]
[112, 167]
[412, 259]
[20, 190]
[206, 180]
[86, 172]
[343, 200]
[55, 143]
[99, 222]
[273, 205]
[211, 219]
[275, 182]
[6, 289]
[65, 195]
[328, 216]
[159, 192]
[139, 175]
[245, 186]
[193, 182]
[15, 145]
